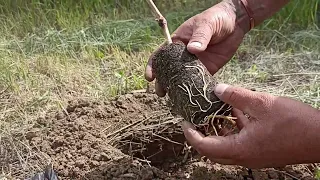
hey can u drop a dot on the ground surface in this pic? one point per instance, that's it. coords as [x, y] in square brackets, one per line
[132, 136]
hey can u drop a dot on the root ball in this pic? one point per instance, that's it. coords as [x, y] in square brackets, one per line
[188, 83]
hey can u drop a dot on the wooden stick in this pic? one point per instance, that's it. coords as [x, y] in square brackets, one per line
[161, 20]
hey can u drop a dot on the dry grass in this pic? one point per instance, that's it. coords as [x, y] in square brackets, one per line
[284, 74]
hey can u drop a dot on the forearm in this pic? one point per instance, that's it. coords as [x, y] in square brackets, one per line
[261, 10]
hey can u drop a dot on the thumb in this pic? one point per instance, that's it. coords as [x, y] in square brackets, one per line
[201, 36]
[243, 99]
[213, 147]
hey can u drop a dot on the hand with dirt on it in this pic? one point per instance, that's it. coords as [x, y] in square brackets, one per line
[213, 36]
[279, 131]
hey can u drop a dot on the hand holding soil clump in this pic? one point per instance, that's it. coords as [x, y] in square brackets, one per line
[188, 83]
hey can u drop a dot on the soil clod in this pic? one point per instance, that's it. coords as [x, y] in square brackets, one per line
[189, 84]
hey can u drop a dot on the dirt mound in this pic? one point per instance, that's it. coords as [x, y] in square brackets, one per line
[133, 136]
[126, 169]
[81, 138]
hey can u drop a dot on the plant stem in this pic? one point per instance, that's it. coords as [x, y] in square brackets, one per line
[161, 21]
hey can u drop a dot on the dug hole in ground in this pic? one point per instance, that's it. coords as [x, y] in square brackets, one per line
[133, 136]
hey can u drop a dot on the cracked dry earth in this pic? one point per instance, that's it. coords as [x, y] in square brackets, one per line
[133, 136]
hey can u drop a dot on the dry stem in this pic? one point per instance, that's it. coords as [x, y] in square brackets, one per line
[169, 140]
[161, 20]
[126, 127]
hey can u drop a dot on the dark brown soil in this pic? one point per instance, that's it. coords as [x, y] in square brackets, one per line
[188, 83]
[131, 137]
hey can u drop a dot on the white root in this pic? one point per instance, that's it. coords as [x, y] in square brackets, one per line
[208, 120]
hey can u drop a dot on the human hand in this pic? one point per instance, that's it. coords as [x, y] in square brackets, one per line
[213, 36]
[279, 132]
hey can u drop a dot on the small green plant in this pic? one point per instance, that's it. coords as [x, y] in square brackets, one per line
[317, 174]
[257, 74]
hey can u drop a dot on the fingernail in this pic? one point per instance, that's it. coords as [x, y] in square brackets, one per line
[195, 44]
[220, 88]
[173, 35]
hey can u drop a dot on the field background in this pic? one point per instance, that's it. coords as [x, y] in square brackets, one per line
[55, 51]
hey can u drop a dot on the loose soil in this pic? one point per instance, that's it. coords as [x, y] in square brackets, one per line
[133, 136]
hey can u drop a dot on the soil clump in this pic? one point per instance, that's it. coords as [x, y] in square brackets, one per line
[188, 83]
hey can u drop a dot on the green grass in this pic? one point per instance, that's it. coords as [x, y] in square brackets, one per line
[53, 52]
[72, 27]
[317, 174]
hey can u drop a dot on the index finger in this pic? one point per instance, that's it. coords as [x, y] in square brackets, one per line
[251, 102]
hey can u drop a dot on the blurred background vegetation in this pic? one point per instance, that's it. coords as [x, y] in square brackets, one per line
[63, 26]
[43, 43]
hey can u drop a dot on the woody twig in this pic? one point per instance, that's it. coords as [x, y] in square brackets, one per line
[161, 20]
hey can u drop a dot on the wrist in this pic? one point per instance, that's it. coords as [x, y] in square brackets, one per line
[258, 9]
[242, 20]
